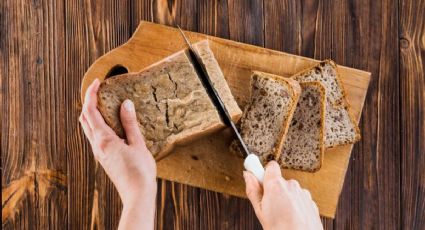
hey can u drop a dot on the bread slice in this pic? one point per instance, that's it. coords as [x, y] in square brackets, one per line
[171, 103]
[340, 126]
[267, 116]
[304, 147]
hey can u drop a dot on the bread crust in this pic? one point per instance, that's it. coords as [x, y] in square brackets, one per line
[322, 130]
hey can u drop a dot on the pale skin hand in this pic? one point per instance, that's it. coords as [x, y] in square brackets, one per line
[128, 163]
[280, 203]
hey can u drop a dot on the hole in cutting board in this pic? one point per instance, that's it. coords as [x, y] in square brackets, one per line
[194, 157]
[116, 70]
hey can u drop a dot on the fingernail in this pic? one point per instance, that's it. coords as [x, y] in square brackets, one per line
[128, 105]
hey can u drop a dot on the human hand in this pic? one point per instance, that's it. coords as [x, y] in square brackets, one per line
[281, 204]
[128, 163]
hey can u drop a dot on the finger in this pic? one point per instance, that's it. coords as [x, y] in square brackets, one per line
[293, 184]
[253, 191]
[310, 202]
[89, 134]
[90, 111]
[315, 208]
[129, 122]
[274, 184]
[93, 87]
[272, 171]
[86, 128]
[307, 194]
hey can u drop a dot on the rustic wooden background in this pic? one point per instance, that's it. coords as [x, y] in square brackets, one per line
[49, 177]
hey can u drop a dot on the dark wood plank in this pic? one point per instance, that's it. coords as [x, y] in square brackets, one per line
[363, 34]
[412, 86]
[33, 145]
[246, 21]
[346, 32]
[92, 29]
[81, 165]
[139, 10]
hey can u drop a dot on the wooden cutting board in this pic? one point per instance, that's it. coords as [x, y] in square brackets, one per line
[207, 163]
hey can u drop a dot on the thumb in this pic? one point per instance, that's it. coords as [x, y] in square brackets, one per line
[254, 192]
[129, 122]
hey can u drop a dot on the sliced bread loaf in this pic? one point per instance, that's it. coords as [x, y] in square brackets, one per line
[303, 147]
[340, 126]
[267, 116]
[171, 103]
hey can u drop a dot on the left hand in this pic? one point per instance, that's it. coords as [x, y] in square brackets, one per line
[128, 163]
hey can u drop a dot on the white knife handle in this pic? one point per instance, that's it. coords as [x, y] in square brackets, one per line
[252, 163]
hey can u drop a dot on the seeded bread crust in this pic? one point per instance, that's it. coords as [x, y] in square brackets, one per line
[338, 108]
[268, 148]
[172, 106]
[303, 148]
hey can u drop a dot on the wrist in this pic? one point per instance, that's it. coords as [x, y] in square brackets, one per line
[139, 193]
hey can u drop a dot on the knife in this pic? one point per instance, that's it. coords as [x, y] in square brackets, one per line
[252, 162]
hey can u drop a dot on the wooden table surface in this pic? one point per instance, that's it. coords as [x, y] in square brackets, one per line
[49, 176]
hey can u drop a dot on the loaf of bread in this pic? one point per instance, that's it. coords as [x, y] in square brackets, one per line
[267, 116]
[304, 147]
[171, 103]
[340, 127]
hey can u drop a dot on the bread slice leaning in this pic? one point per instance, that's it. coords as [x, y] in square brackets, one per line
[267, 116]
[304, 146]
[171, 103]
[340, 126]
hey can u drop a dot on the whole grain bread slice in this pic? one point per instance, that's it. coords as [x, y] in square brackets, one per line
[340, 125]
[267, 116]
[303, 148]
[171, 103]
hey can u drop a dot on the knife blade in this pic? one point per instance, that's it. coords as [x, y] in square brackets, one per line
[252, 162]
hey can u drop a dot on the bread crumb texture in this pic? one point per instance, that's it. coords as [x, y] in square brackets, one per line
[303, 146]
[264, 116]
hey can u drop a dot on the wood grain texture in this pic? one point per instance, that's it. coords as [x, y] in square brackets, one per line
[365, 36]
[92, 28]
[412, 83]
[246, 21]
[34, 180]
[385, 182]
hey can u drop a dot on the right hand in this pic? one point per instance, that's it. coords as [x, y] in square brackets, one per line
[281, 204]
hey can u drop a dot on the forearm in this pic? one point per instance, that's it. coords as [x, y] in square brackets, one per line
[139, 213]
